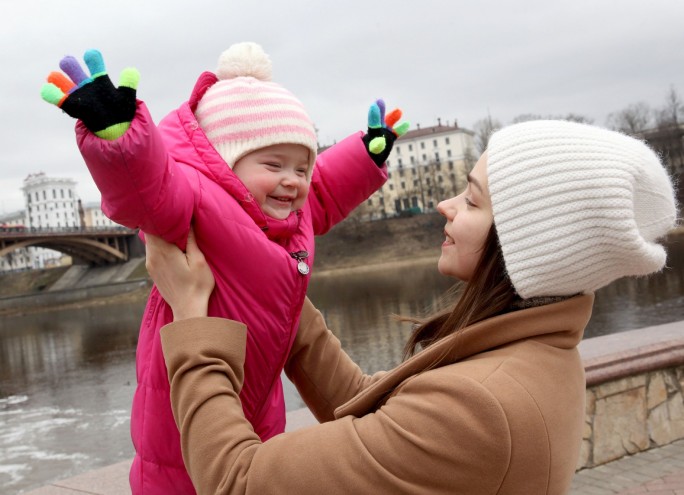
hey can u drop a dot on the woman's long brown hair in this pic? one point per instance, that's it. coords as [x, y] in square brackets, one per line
[489, 293]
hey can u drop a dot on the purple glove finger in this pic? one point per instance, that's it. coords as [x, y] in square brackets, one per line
[73, 69]
[381, 106]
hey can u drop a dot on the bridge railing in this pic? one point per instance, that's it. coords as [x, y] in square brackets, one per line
[22, 231]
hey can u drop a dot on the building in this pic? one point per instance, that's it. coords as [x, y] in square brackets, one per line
[426, 165]
[93, 216]
[51, 203]
[19, 259]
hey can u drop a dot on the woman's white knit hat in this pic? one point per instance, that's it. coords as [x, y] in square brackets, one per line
[245, 111]
[576, 206]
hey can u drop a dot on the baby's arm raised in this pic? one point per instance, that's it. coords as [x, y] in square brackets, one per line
[141, 185]
[349, 172]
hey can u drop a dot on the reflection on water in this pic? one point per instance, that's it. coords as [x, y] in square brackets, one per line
[67, 378]
[66, 383]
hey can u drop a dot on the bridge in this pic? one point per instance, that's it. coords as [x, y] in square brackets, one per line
[95, 246]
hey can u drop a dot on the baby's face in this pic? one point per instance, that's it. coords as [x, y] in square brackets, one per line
[276, 177]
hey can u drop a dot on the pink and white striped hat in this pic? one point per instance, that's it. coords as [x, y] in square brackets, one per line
[245, 111]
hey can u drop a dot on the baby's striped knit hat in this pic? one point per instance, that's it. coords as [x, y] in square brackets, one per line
[576, 206]
[245, 111]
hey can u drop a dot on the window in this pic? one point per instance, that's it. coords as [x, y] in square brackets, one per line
[415, 182]
[406, 203]
[397, 204]
[422, 145]
[391, 187]
[401, 172]
[410, 147]
[438, 166]
[399, 162]
[403, 184]
[70, 193]
[44, 194]
[424, 157]
[434, 143]
[446, 140]
[451, 165]
[413, 161]
[414, 172]
[54, 194]
[370, 202]
[414, 202]
[36, 195]
[382, 201]
[440, 178]
[449, 153]
[437, 155]
[398, 150]
[61, 193]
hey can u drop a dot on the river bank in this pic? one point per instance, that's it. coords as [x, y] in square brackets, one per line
[351, 245]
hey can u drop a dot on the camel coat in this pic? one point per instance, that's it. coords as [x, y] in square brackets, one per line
[500, 414]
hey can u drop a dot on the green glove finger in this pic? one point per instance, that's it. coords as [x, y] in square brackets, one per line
[402, 128]
[52, 94]
[129, 78]
[377, 145]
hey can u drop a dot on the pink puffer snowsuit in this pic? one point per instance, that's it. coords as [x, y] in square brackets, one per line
[162, 179]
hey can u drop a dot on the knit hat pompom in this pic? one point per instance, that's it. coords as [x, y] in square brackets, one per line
[576, 206]
[245, 59]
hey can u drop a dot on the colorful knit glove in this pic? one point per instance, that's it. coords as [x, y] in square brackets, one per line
[381, 131]
[105, 110]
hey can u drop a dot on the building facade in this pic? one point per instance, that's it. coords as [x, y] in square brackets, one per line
[51, 203]
[19, 259]
[93, 216]
[426, 165]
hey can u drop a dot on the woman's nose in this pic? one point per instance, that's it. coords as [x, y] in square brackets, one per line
[447, 207]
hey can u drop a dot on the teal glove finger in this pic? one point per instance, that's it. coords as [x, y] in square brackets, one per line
[95, 63]
[374, 117]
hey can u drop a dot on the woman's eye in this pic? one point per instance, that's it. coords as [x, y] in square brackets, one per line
[468, 202]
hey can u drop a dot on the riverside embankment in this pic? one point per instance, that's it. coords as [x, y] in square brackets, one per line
[350, 244]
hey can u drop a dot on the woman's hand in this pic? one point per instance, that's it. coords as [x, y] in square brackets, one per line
[184, 280]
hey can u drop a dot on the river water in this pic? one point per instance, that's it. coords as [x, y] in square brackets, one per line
[67, 377]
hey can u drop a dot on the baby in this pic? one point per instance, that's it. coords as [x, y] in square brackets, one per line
[237, 162]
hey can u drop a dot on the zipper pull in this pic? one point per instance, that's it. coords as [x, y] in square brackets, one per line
[300, 256]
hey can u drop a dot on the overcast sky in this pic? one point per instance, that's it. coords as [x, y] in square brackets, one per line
[448, 59]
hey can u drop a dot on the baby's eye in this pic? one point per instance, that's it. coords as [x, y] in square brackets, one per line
[273, 165]
[302, 171]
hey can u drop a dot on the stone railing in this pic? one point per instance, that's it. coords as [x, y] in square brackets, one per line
[634, 392]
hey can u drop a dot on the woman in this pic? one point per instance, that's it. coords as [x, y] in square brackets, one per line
[490, 399]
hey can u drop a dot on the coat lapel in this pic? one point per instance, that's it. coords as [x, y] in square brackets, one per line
[560, 325]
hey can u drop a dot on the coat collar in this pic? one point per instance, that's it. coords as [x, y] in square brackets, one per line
[559, 325]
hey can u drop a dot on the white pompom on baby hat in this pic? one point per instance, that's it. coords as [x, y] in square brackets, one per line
[245, 111]
[576, 206]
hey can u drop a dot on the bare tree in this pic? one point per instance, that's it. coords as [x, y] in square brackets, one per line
[634, 119]
[483, 130]
[671, 113]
